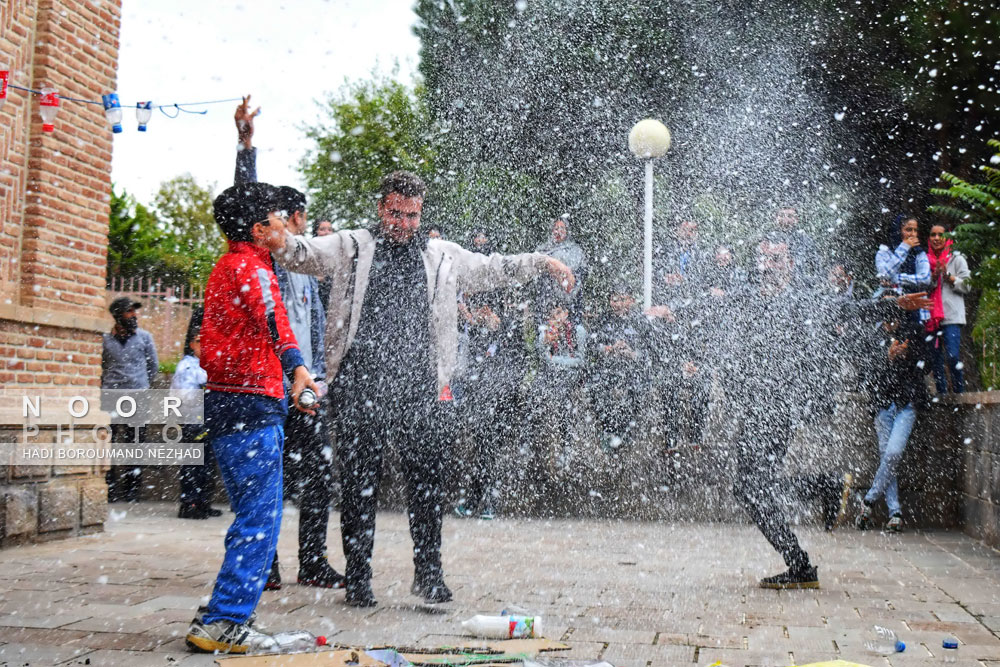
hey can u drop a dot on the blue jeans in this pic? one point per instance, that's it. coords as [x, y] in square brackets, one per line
[948, 344]
[250, 465]
[893, 426]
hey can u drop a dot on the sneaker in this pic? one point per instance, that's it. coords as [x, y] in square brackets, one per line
[320, 575]
[211, 511]
[488, 514]
[227, 637]
[360, 596]
[895, 524]
[463, 511]
[864, 519]
[192, 511]
[434, 592]
[274, 578]
[835, 502]
[793, 578]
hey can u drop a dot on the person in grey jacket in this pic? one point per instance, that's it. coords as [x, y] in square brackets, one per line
[560, 246]
[128, 361]
[391, 343]
[950, 277]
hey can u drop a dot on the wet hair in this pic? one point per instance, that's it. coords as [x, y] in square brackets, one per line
[404, 183]
[194, 329]
[291, 200]
[238, 208]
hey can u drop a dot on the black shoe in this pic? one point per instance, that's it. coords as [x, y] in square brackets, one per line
[360, 596]
[274, 578]
[320, 575]
[793, 578]
[211, 511]
[192, 511]
[835, 501]
[433, 592]
[864, 518]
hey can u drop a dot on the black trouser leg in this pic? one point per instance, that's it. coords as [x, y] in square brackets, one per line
[198, 482]
[422, 451]
[492, 433]
[359, 448]
[306, 442]
[124, 481]
[760, 454]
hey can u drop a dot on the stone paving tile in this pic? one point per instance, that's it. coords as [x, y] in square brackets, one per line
[39, 654]
[691, 589]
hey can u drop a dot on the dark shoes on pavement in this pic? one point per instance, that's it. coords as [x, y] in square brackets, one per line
[195, 511]
[320, 574]
[432, 589]
[274, 578]
[864, 518]
[800, 577]
[360, 595]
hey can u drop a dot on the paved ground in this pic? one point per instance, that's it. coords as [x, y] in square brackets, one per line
[634, 594]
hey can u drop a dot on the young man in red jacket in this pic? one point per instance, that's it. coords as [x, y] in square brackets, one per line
[247, 344]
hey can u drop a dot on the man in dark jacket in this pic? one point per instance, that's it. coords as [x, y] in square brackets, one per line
[308, 455]
[128, 361]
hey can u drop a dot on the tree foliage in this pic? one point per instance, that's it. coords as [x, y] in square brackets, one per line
[371, 128]
[134, 239]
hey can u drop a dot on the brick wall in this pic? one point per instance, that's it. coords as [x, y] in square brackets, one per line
[54, 194]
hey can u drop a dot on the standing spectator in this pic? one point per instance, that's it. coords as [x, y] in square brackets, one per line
[248, 348]
[624, 343]
[128, 361]
[805, 255]
[950, 276]
[197, 482]
[683, 266]
[307, 456]
[903, 266]
[562, 348]
[562, 247]
[897, 391]
[392, 332]
[497, 364]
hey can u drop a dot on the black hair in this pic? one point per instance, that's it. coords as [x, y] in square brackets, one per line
[238, 208]
[194, 328]
[404, 183]
[291, 200]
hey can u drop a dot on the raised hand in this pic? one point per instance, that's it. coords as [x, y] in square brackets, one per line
[244, 122]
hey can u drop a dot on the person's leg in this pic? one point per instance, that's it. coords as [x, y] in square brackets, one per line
[315, 479]
[422, 447]
[254, 486]
[760, 454]
[938, 355]
[359, 449]
[883, 429]
[902, 426]
[952, 345]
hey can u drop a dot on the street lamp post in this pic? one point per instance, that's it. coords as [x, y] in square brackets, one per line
[648, 140]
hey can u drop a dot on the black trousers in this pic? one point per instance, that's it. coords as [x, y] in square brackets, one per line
[420, 434]
[685, 405]
[198, 482]
[308, 478]
[759, 487]
[617, 400]
[125, 481]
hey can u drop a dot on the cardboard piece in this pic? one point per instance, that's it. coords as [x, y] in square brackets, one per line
[482, 653]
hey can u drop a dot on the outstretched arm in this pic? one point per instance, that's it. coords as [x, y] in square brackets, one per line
[246, 154]
[318, 256]
[480, 273]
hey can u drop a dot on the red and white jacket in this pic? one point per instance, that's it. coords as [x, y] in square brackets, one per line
[245, 330]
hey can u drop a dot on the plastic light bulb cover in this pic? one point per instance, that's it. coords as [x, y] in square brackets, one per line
[649, 139]
[143, 112]
[48, 108]
[113, 111]
[4, 78]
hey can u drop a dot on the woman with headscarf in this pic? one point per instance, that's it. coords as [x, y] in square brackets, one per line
[950, 274]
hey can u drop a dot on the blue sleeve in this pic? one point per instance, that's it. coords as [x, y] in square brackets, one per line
[246, 167]
[318, 320]
[290, 360]
[923, 274]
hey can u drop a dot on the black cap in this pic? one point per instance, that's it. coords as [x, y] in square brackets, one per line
[122, 305]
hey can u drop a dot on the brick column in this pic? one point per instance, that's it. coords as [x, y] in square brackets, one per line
[54, 204]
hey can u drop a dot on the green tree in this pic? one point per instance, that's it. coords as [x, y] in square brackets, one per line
[371, 128]
[135, 240]
[192, 241]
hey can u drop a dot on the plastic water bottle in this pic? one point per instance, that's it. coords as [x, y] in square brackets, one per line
[949, 651]
[883, 641]
[504, 627]
[295, 641]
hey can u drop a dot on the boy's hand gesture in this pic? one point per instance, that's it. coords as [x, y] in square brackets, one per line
[301, 381]
[244, 122]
